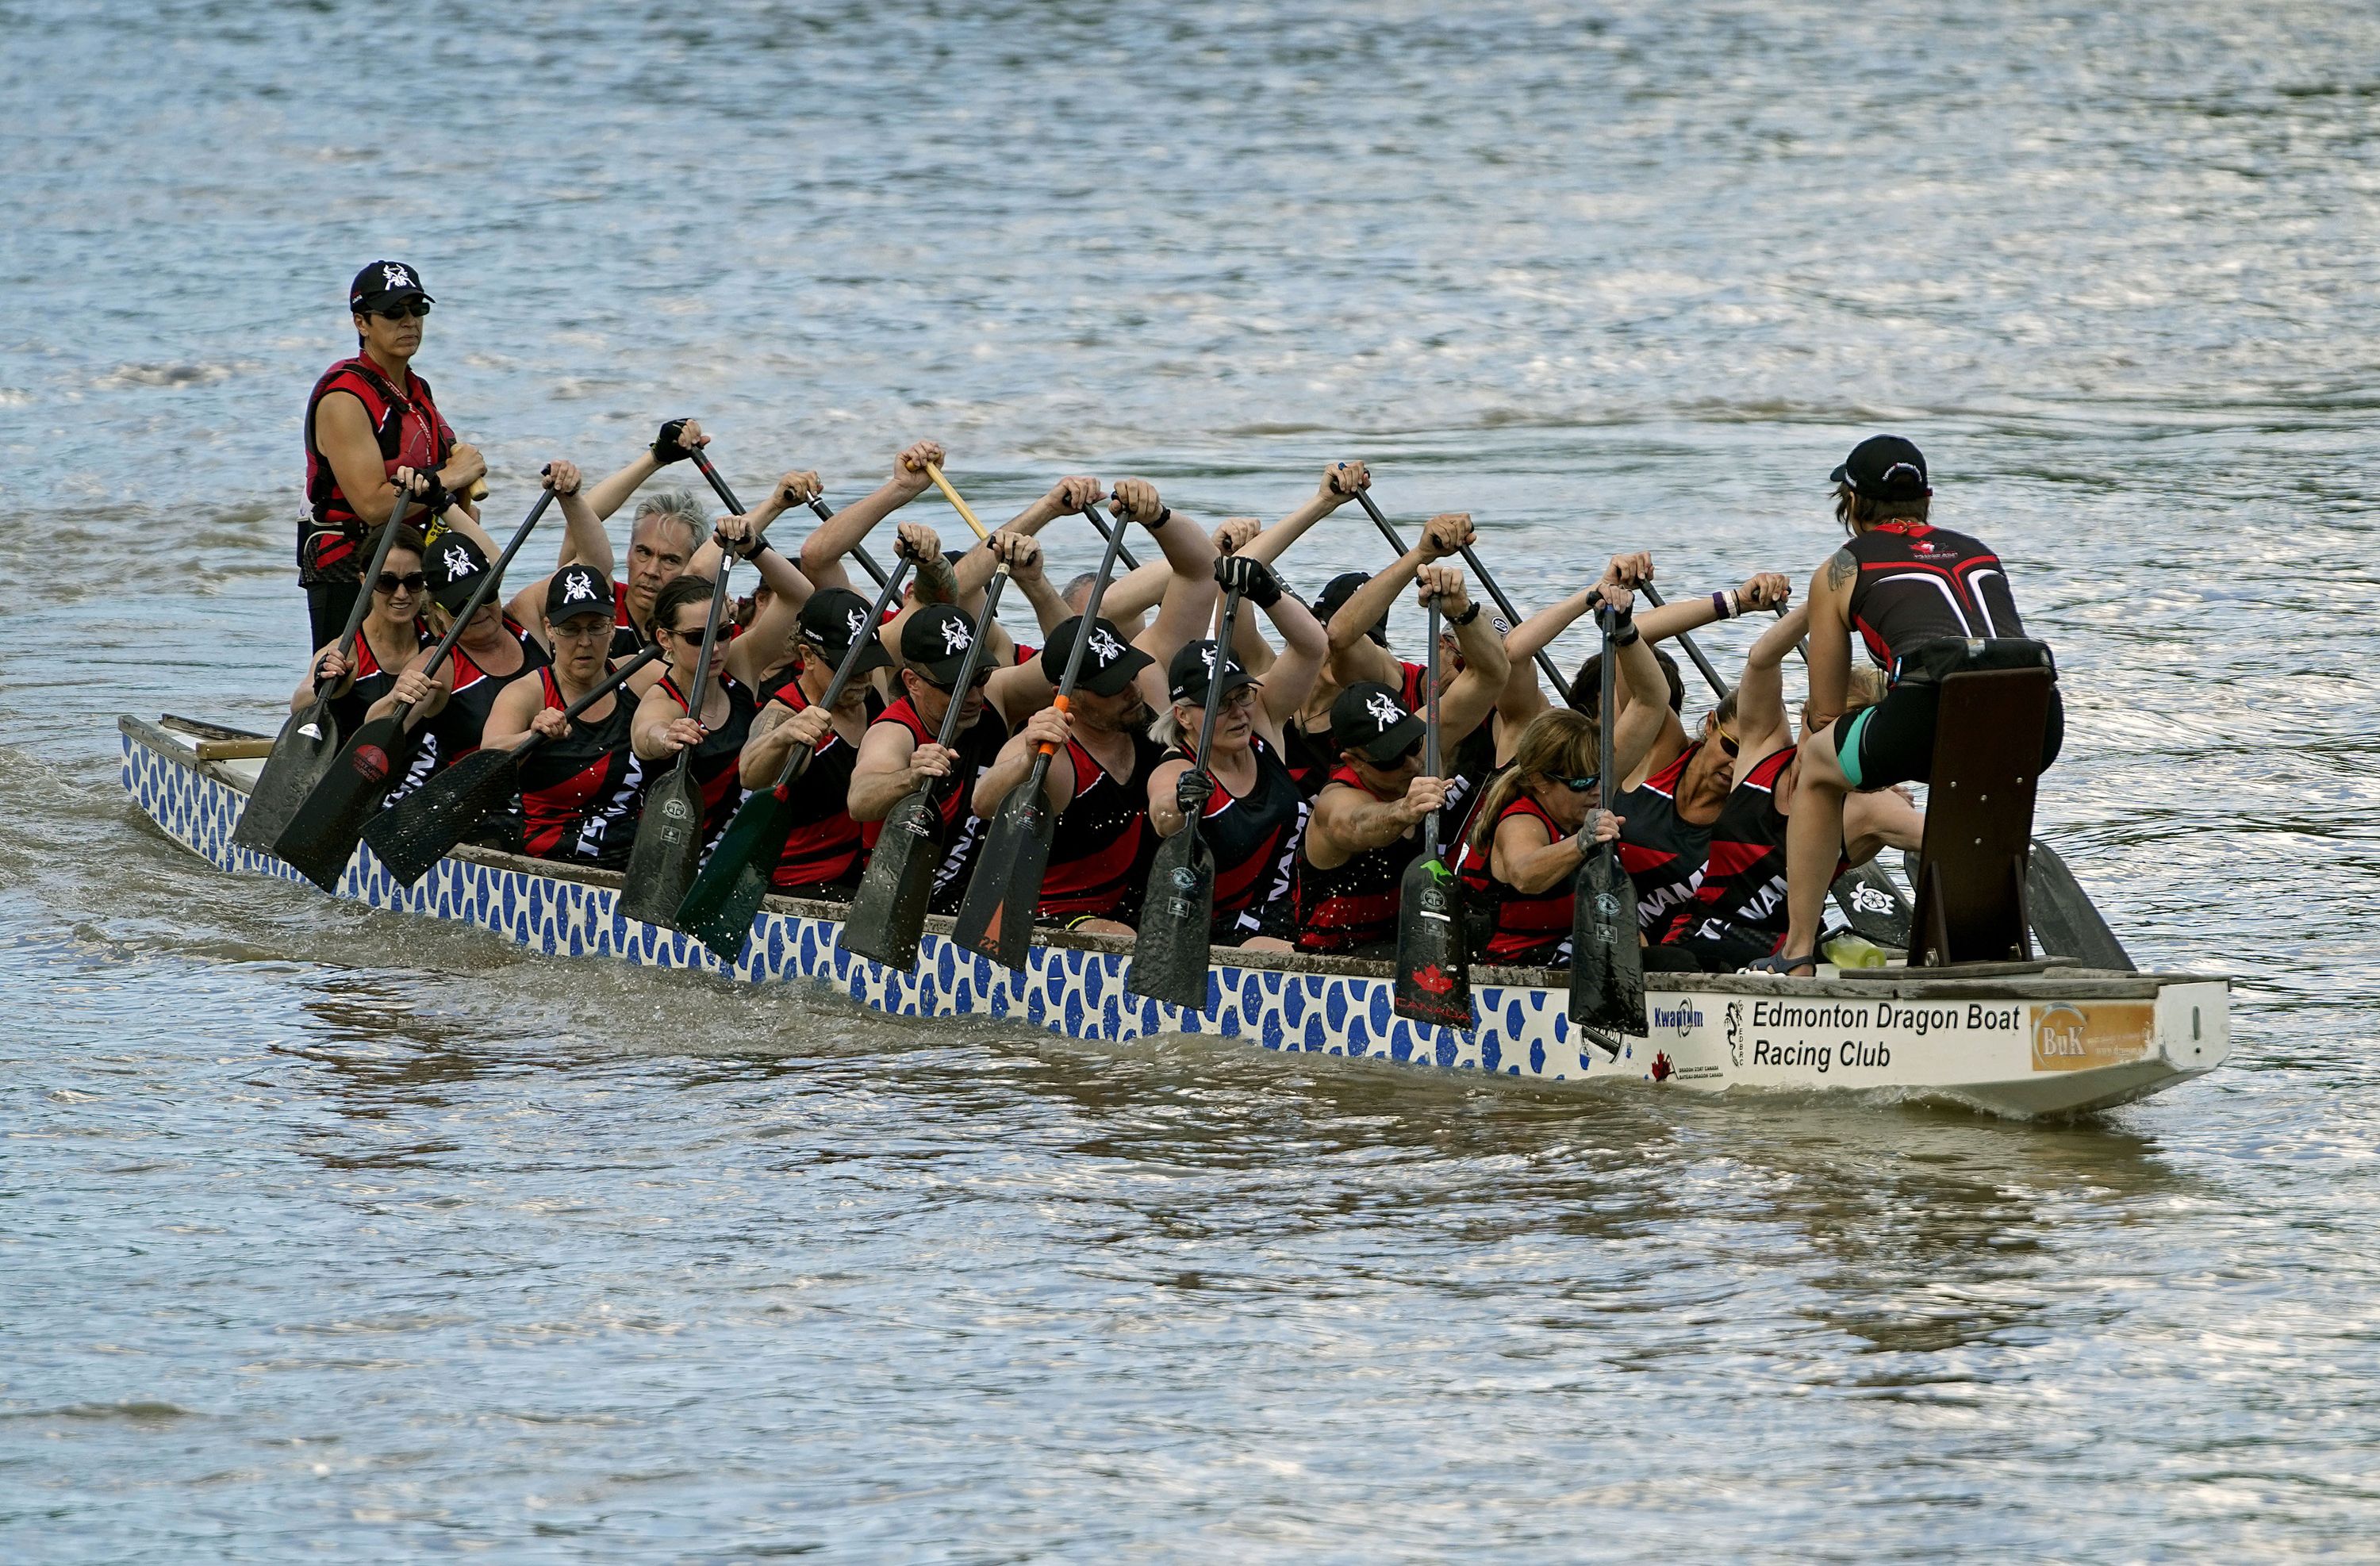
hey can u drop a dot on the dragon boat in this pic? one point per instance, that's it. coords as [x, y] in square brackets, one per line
[2033, 1039]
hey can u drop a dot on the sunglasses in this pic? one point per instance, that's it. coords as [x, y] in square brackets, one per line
[389, 582]
[1400, 758]
[1726, 742]
[982, 678]
[417, 310]
[1580, 785]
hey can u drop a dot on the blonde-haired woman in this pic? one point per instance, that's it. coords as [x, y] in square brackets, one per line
[1543, 814]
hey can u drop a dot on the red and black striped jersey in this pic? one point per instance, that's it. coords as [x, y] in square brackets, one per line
[1353, 905]
[581, 794]
[1661, 851]
[1918, 584]
[1102, 844]
[823, 855]
[1525, 926]
[1254, 838]
[718, 760]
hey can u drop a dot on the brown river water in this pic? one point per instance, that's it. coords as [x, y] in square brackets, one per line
[327, 1234]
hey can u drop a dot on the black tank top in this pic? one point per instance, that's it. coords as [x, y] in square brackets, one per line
[1661, 851]
[464, 717]
[718, 759]
[1355, 904]
[580, 794]
[1309, 757]
[1254, 838]
[1742, 894]
[1523, 926]
[1919, 584]
[823, 855]
[978, 746]
[1101, 851]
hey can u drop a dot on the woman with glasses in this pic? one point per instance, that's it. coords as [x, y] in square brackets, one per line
[578, 791]
[714, 722]
[367, 416]
[1542, 816]
[1250, 811]
[394, 632]
[1738, 915]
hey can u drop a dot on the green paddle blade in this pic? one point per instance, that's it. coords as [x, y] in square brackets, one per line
[1433, 972]
[669, 840]
[2064, 920]
[1606, 971]
[1170, 954]
[996, 918]
[719, 908]
[299, 760]
[888, 913]
[1874, 905]
[320, 838]
[420, 829]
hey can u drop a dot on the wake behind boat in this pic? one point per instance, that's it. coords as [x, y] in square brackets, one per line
[2023, 1039]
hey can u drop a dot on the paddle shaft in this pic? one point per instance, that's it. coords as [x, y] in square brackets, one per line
[488, 580]
[1470, 558]
[818, 503]
[961, 507]
[1686, 640]
[800, 756]
[596, 693]
[1214, 696]
[1092, 513]
[968, 666]
[1608, 719]
[1429, 733]
[1084, 629]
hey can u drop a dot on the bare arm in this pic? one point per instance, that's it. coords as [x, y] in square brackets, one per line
[1067, 497]
[772, 631]
[610, 493]
[1530, 859]
[508, 717]
[824, 550]
[344, 433]
[1348, 821]
[1340, 483]
[1471, 694]
[1883, 818]
[1761, 724]
[1291, 679]
[1189, 599]
[882, 776]
[1830, 637]
[1645, 722]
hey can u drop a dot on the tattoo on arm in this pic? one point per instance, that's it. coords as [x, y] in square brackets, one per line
[937, 582]
[1840, 568]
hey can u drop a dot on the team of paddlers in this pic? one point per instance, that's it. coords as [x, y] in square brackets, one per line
[1313, 792]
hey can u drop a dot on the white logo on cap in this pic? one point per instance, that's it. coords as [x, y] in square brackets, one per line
[457, 563]
[955, 636]
[1385, 712]
[577, 586]
[1206, 651]
[857, 619]
[1105, 646]
[393, 276]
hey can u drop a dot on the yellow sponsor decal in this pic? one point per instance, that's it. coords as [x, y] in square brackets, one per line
[2106, 1033]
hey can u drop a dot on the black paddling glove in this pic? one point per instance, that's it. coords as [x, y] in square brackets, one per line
[1253, 577]
[1192, 790]
[665, 448]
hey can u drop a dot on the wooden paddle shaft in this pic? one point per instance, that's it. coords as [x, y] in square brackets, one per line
[1470, 558]
[958, 504]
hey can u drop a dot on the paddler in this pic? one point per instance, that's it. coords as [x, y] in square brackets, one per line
[1365, 828]
[1101, 851]
[1738, 915]
[715, 721]
[826, 852]
[581, 791]
[1250, 812]
[1917, 595]
[394, 629]
[367, 416]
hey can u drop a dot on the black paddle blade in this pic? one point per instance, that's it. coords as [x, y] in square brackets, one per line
[1433, 974]
[720, 905]
[1170, 954]
[996, 918]
[1606, 971]
[669, 841]
[320, 838]
[888, 912]
[2065, 920]
[1874, 904]
[296, 764]
[420, 829]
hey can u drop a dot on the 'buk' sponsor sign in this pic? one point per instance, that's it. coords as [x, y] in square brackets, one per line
[2070, 1038]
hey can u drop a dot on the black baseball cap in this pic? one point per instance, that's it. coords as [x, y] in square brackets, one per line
[454, 567]
[1369, 719]
[384, 283]
[1334, 596]
[1884, 468]
[835, 618]
[578, 590]
[1109, 662]
[935, 642]
[1191, 673]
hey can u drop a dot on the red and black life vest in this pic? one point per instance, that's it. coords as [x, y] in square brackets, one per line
[979, 746]
[1523, 926]
[1353, 905]
[411, 434]
[718, 759]
[1919, 584]
[824, 855]
[1661, 851]
[1254, 837]
[1102, 844]
[581, 794]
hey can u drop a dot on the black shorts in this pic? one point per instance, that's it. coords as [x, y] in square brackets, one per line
[1892, 742]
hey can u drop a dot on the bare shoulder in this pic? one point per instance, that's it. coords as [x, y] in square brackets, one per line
[1841, 567]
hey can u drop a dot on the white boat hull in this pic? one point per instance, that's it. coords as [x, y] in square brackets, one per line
[2055, 1043]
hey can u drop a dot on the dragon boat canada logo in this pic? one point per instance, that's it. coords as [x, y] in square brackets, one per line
[1735, 1032]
